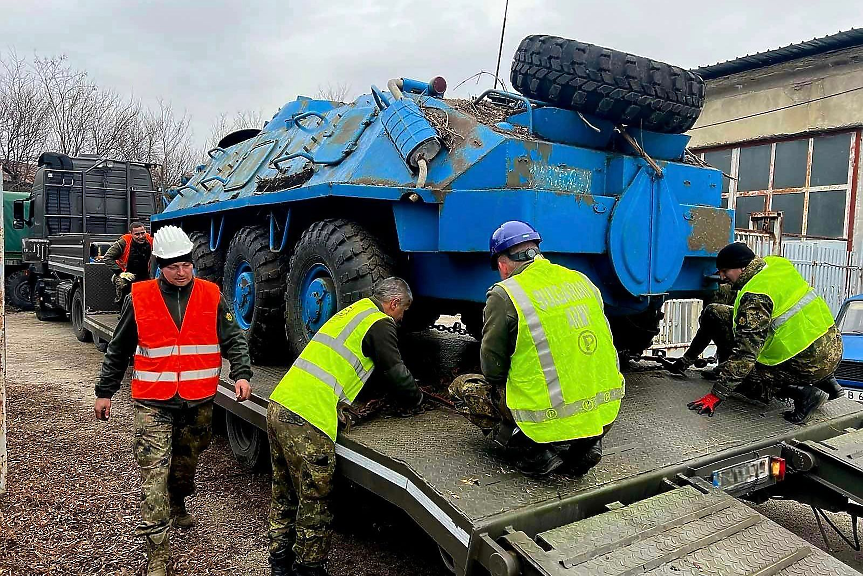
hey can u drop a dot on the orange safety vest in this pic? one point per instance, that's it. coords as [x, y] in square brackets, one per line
[167, 360]
[124, 259]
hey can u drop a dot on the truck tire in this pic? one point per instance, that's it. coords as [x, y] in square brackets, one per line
[252, 287]
[76, 316]
[617, 86]
[19, 293]
[209, 264]
[335, 263]
[248, 443]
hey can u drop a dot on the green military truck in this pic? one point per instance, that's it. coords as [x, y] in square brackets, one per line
[19, 291]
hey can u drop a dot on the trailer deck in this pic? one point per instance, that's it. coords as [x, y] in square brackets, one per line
[443, 472]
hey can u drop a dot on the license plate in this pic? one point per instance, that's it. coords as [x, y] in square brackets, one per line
[855, 395]
[743, 473]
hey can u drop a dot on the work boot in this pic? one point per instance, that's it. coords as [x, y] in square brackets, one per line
[180, 518]
[807, 399]
[831, 387]
[582, 463]
[158, 554]
[303, 570]
[538, 461]
[281, 561]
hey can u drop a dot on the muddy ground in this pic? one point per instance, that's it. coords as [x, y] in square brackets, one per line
[72, 503]
[73, 488]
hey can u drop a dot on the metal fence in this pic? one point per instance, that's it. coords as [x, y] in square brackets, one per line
[834, 273]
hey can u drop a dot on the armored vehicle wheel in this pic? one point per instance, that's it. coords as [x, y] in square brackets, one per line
[335, 263]
[77, 317]
[18, 290]
[248, 443]
[635, 333]
[252, 287]
[209, 264]
[614, 85]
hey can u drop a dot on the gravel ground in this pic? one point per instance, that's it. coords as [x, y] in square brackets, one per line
[72, 502]
[73, 489]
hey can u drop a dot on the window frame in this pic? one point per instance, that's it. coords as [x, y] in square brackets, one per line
[848, 187]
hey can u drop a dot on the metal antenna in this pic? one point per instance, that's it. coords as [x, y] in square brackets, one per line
[500, 50]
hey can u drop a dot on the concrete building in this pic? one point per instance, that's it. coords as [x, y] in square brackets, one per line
[785, 126]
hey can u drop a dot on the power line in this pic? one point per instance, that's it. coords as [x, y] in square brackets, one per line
[779, 109]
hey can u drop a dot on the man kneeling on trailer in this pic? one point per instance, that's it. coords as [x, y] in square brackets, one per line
[302, 420]
[781, 335]
[551, 384]
[178, 327]
[130, 258]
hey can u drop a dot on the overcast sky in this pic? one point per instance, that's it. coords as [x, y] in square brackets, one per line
[209, 57]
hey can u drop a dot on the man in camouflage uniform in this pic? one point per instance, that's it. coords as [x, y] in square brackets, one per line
[171, 430]
[714, 325]
[359, 342]
[806, 378]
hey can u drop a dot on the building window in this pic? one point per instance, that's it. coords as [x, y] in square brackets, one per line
[806, 179]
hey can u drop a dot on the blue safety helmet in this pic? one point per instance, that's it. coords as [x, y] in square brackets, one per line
[508, 235]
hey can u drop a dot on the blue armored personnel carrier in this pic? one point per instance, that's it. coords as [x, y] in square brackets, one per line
[298, 219]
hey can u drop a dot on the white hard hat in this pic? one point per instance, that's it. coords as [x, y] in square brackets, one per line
[171, 242]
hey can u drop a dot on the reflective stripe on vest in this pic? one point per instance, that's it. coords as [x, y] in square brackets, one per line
[799, 315]
[331, 369]
[169, 361]
[564, 381]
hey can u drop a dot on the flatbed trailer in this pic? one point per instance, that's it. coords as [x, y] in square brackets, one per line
[650, 506]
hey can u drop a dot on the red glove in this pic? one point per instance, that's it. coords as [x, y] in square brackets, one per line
[706, 405]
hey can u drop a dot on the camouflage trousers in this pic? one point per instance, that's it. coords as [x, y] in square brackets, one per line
[485, 406]
[167, 445]
[121, 287]
[816, 363]
[304, 463]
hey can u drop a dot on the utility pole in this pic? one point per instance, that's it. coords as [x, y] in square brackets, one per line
[4, 458]
[500, 50]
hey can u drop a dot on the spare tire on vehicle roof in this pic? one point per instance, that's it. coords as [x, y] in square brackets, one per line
[609, 84]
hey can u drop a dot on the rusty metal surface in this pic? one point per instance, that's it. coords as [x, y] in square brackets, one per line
[653, 431]
[681, 532]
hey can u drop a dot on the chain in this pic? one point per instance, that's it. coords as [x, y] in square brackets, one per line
[456, 328]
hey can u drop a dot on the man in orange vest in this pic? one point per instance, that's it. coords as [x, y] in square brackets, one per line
[178, 328]
[130, 259]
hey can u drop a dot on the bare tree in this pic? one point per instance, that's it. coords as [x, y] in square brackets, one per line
[224, 124]
[71, 98]
[333, 92]
[112, 123]
[23, 113]
[169, 144]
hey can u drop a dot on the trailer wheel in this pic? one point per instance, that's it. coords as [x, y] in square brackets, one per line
[209, 264]
[101, 345]
[614, 85]
[335, 263]
[19, 293]
[248, 443]
[77, 317]
[252, 286]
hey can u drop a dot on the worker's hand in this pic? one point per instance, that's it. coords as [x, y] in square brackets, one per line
[128, 276]
[243, 389]
[103, 408]
[706, 405]
[678, 366]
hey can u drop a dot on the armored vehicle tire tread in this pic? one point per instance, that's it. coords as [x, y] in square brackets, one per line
[18, 292]
[354, 258]
[76, 316]
[209, 264]
[265, 334]
[617, 86]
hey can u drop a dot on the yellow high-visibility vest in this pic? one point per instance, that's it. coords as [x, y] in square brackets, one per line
[331, 368]
[564, 378]
[800, 316]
